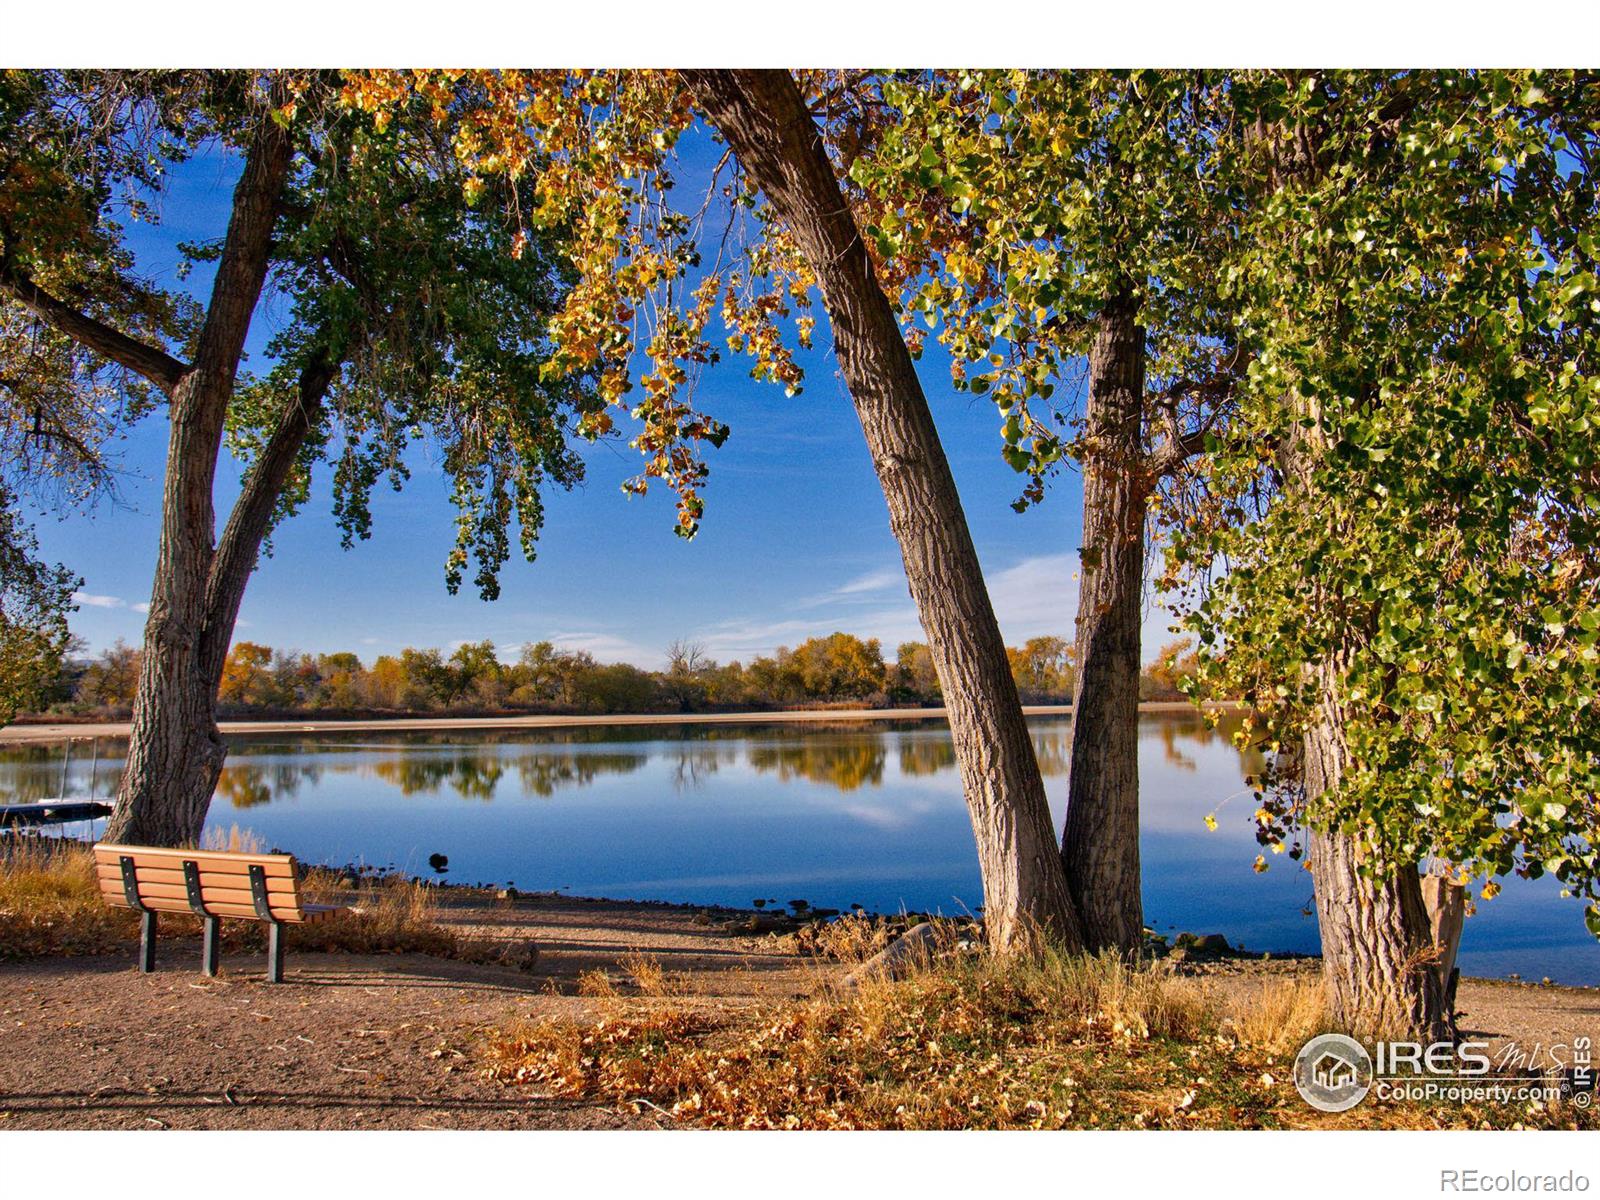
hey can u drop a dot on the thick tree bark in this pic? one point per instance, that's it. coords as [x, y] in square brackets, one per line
[764, 119]
[175, 752]
[1379, 959]
[1100, 845]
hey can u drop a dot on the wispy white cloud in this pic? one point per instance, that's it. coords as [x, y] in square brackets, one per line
[91, 600]
[1033, 597]
[745, 638]
[872, 581]
[1038, 596]
[143, 607]
[609, 647]
[862, 589]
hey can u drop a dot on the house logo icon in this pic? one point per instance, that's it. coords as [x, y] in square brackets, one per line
[1333, 1072]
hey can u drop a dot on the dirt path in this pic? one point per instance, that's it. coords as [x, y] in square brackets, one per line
[346, 1042]
[17, 734]
[354, 1042]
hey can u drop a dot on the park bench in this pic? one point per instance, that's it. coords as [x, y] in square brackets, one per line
[211, 884]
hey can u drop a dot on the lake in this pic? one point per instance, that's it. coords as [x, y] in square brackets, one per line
[864, 813]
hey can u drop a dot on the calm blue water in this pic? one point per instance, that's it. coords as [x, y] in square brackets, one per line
[865, 814]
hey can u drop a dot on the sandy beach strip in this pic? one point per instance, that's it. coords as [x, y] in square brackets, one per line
[59, 731]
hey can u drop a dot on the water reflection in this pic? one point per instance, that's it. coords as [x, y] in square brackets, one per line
[245, 784]
[926, 756]
[474, 774]
[843, 765]
[842, 756]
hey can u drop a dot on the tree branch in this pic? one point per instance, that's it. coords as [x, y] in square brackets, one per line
[1179, 445]
[252, 512]
[154, 364]
[246, 256]
[1175, 449]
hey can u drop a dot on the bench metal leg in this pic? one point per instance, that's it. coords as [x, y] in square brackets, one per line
[147, 941]
[211, 947]
[275, 952]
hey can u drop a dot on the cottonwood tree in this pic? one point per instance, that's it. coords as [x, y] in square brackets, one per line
[407, 313]
[1043, 223]
[599, 148]
[1408, 502]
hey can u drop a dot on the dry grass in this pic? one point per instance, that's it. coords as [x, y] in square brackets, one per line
[385, 915]
[852, 938]
[596, 984]
[1282, 1015]
[648, 975]
[50, 904]
[235, 840]
[972, 1042]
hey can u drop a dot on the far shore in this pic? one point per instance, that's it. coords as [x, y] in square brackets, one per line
[62, 730]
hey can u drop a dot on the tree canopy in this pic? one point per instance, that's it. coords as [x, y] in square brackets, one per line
[410, 314]
[423, 310]
[1013, 207]
[1410, 489]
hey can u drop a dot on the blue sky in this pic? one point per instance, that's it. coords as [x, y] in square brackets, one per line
[795, 540]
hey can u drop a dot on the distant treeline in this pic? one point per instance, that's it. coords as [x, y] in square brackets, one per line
[837, 669]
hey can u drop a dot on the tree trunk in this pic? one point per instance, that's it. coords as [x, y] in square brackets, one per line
[175, 751]
[1100, 846]
[1378, 955]
[1446, 902]
[763, 117]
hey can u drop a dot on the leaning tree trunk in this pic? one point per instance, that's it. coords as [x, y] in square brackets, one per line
[1379, 959]
[1100, 846]
[175, 751]
[764, 118]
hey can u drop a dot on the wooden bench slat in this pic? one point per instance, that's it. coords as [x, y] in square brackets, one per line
[211, 895]
[168, 899]
[290, 916]
[113, 850]
[276, 866]
[276, 885]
